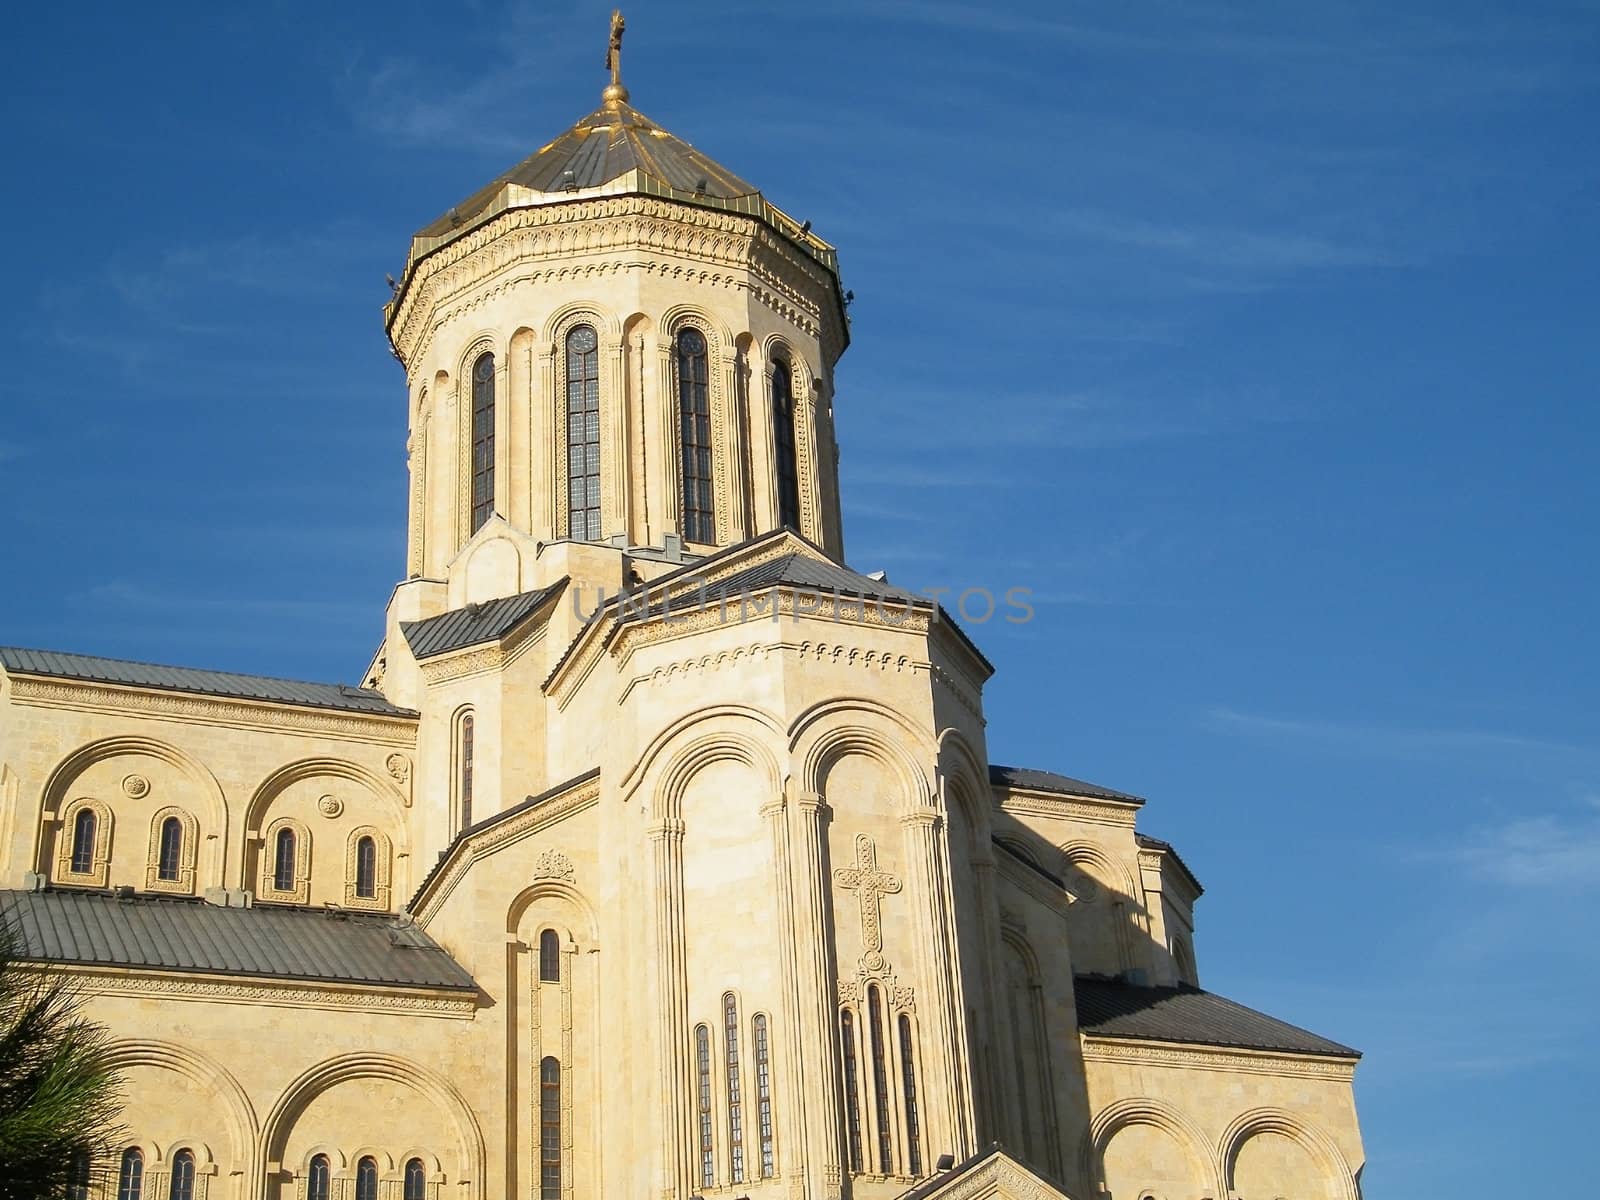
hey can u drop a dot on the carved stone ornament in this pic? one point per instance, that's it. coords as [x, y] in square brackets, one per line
[399, 768]
[870, 886]
[330, 806]
[553, 864]
[135, 786]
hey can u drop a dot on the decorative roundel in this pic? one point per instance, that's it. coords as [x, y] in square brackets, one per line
[136, 786]
[872, 960]
[1083, 885]
[330, 806]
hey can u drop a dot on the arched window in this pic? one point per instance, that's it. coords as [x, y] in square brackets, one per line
[852, 1088]
[283, 856]
[880, 1077]
[416, 1185]
[181, 1185]
[730, 1034]
[367, 1178]
[758, 1028]
[583, 433]
[171, 856]
[908, 1085]
[317, 1179]
[464, 760]
[694, 421]
[84, 827]
[550, 1129]
[130, 1175]
[702, 1066]
[482, 440]
[78, 1175]
[366, 867]
[549, 957]
[783, 446]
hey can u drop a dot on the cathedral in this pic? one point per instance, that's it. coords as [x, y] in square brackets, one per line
[658, 853]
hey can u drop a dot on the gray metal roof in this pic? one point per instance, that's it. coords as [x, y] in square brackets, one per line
[804, 571]
[58, 665]
[1047, 781]
[162, 933]
[474, 624]
[1107, 1008]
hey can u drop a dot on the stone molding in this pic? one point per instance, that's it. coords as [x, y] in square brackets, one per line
[1190, 1057]
[1077, 808]
[209, 710]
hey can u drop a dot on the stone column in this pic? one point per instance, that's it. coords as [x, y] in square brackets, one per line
[544, 473]
[792, 1121]
[819, 1046]
[672, 1005]
[666, 480]
[734, 490]
[614, 440]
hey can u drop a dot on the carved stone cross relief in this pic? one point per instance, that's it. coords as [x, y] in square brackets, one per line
[870, 886]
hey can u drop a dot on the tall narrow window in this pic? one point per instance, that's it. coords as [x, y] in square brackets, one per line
[130, 1175]
[758, 1028]
[908, 1084]
[852, 1088]
[549, 957]
[465, 753]
[283, 861]
[366, 867]
[730, 1034]
[482, 440]
[181, 1184]
[317, 1178]
[783, 446]
[550, 1129]
[880, 1077]
[367, 1178]
[416, 1185]
[78, 1175]
[694, 420]
[84, 827]
[583, 433]
[702, 1063]
[171, 856]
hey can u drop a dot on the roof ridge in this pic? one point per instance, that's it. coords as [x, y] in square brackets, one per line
[167, 666]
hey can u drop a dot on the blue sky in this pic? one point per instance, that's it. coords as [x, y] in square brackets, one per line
[1257, 340]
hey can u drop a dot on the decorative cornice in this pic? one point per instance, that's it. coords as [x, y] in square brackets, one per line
[282, 993]
[262, 715]
[463, 663]
[1077, 808]
[1190, 1057]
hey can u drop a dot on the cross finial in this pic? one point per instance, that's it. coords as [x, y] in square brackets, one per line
[615, 92]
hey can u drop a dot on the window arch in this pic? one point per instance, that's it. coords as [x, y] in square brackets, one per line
[482, 439]
[318, 1183]
[702, 1063]
[170, 859]
[174, 837]
[549, 957]
[368, 868]
[286, 862]
[880, 1078]
[284, 856]
[763, 1054]
[130, 1175]
[181, 1182]
[78, 1174]
[852, 1088]
[784, 455]
[84, 827]
[730, 1033]
[416, 1180]
[550, 1129]
[694, 423]
[465, 739]
[908, 1087]
[367, 1178]
[583, 433]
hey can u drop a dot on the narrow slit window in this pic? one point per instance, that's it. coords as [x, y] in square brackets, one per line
[852, 1088]
[880, 1078]
[730, 1033]
[78, 1175]
[367, 867]
[583, 434]
[170, 859]
[283, 861]
[465, 752]
[84, 828]
[702, 1060]
[482, 440]
[181, 1183]
[550, 1129]
[694, 419]
[416, 1183]
[317, 1178]
[783, 445]
[367, 1178]
[908, 1071]
[130, 1175]
[763, 1052]
[549, 957]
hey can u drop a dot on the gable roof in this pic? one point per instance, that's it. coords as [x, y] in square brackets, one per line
[476, 623]
[56, 664]
[1111, 1009]
[96, 928]
[1048, 781]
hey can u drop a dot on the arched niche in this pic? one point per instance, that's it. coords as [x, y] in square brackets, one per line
[1143, 1147]
[174, 1096]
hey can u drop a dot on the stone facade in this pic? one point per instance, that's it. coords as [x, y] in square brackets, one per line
[748, 911]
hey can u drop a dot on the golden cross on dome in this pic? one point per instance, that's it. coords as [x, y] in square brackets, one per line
[614, 52]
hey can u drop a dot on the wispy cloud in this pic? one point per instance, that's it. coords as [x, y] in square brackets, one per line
[1545, 851]
[1384, 740]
